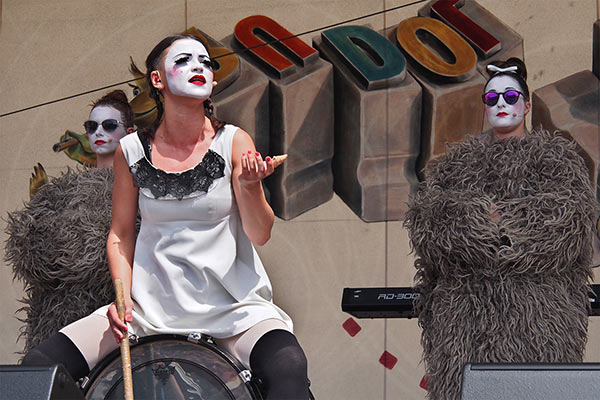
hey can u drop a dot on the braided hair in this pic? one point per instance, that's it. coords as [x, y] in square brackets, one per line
[153, 62]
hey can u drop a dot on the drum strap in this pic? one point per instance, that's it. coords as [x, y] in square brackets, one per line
[279, 361]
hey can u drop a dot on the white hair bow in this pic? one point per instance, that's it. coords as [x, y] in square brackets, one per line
[493, 68]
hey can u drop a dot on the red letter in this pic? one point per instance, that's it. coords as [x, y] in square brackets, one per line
[481, 39]
[300, 52]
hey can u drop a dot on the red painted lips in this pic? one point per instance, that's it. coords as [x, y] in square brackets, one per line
[197, 80]
[501, 114]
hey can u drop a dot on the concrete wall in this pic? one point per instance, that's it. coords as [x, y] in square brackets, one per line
[53, 49]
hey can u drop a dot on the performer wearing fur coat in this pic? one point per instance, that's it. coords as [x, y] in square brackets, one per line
[502, 228]
[56, 241]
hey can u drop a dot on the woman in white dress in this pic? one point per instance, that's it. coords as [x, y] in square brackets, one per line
[196, 183]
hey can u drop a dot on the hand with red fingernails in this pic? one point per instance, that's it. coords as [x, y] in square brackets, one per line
[255, 168]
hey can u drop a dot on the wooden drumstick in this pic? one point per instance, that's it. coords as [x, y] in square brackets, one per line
[278, 160]
[125, 356]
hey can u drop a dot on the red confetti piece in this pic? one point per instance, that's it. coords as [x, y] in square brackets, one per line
[351, 326]
[423, 383]
[388, 360]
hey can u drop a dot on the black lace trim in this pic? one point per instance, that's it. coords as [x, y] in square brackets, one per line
[177, 184]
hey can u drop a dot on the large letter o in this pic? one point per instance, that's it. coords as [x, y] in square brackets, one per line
[466, 59]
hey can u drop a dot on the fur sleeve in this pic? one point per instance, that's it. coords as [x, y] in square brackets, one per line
[538, 185]
[453, 226]
[550, 219]
[59, 237]
[56, 247]
[449, 220]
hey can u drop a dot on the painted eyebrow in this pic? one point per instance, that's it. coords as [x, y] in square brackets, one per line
[190, 54]
[505, 89]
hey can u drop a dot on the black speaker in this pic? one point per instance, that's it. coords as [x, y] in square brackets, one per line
[531, 381]
[37, 383]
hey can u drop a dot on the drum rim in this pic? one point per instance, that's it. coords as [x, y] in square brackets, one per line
[110, 357]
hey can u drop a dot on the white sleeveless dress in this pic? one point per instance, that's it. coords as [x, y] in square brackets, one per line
[194, 268]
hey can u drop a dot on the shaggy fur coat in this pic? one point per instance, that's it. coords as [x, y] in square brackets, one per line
[502, 231]
[57, 247]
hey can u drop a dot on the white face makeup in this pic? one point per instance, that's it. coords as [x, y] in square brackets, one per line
[504, 116]
[101, 141]
[187, 70]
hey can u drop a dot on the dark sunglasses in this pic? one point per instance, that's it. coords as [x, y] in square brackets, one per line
[109, 125]
[510, 97]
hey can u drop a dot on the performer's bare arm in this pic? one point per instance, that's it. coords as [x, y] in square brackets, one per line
[249, 169]
[121, 238]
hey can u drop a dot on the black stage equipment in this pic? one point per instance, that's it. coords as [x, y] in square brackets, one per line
[37, 383]
[397, 302]
[531, 381]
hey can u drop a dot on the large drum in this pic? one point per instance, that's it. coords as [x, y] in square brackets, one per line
[173, 367]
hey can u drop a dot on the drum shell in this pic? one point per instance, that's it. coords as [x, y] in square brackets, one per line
[171, 367]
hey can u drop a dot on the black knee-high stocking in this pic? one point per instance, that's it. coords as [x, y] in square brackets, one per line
[279, 361]
[58, 349]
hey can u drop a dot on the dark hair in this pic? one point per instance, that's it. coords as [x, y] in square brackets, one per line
[153, 62]
[520, 75]
[117, 99]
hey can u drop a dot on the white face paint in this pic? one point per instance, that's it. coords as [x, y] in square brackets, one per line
[188, 74]
[504, 116]
[101, 141]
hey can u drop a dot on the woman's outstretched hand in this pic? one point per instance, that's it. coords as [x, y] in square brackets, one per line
[255, 169]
